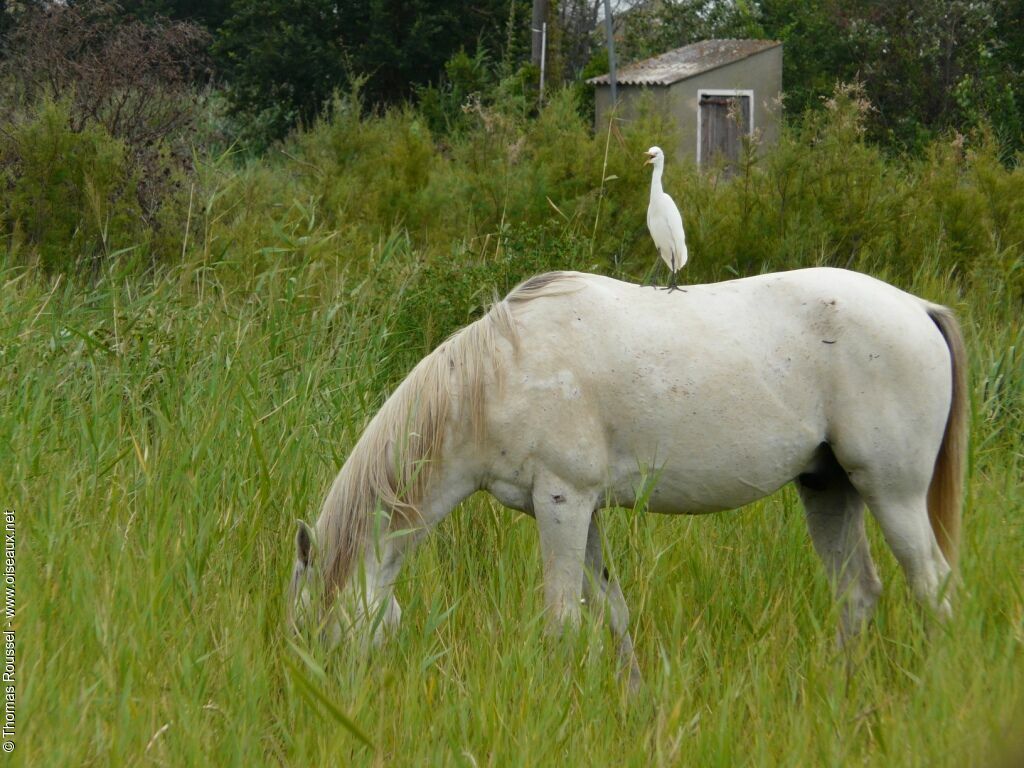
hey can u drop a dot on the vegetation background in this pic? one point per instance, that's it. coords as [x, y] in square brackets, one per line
[228, 229]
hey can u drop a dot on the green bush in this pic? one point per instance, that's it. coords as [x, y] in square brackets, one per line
[69, 195]
[339, 191]
[444, 294]
[465, 78]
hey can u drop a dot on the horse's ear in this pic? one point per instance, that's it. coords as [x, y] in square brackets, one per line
[304, 544]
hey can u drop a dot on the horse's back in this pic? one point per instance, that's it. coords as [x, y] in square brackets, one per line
[822, 322]
[729, 387]
[773, 313]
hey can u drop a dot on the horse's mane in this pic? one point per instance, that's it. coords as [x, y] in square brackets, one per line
[390, 465]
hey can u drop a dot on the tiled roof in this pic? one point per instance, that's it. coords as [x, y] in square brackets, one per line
[685, 62]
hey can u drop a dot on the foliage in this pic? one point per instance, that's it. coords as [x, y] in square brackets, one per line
[650, 29]
[402, 44]
[444, 294]
[129, 80]
[927, 67]
[282, 59]
[467, 80]
[163, 434]
[586, 94]
[69, 194]
[210, 14]
[932, 67]
[824, 194]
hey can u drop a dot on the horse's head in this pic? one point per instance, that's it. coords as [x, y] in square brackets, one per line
[307, 609]
[353, 610]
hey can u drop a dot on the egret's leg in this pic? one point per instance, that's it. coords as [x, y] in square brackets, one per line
[672, 274]
[602, 594]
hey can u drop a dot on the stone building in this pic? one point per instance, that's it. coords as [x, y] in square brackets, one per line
[716, 91]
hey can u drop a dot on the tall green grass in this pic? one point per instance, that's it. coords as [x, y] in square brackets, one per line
[162, 430]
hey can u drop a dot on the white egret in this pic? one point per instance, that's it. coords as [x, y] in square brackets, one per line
[664, 221]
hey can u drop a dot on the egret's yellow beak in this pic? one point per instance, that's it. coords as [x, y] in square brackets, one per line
[650, 158]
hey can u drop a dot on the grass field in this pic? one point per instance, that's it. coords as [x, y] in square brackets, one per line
[177, 392]
[160, 438]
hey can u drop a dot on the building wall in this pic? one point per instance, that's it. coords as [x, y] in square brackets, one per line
[760, 73]
[630, 97]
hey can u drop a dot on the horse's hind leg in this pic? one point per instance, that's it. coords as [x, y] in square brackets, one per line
[602, 593]
[835, 519]
[908, 532]
[895, 487]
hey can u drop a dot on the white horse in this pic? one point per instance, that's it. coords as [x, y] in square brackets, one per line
[575, 387]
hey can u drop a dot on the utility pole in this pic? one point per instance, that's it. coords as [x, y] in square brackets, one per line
[543, 58]
[609, 29]
[540, 16]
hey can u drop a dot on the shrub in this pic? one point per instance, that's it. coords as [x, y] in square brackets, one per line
[69, 193]
[132, 79]
[445, 293]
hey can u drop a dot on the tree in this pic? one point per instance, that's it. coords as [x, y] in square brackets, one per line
[926, 66]
[649, 29]
[283, 58]
[280, 60]
[210, 14]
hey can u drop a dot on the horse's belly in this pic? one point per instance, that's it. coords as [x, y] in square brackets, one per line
[682, 497]
[671, 491]
[707, 464]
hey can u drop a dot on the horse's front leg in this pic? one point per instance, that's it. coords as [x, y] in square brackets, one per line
[563, 518]
[384, 562]
[602, 594]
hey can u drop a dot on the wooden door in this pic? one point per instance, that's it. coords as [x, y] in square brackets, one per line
[724, 121]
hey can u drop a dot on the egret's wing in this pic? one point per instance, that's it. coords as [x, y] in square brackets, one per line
[675, 224]
[659, 227]
[666, 226]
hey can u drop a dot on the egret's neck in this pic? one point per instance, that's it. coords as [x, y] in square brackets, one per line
[656, 180]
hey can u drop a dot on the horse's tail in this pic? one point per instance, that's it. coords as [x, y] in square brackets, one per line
[945, 494]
